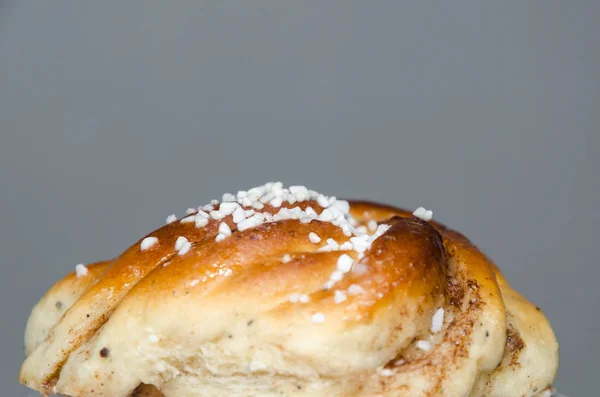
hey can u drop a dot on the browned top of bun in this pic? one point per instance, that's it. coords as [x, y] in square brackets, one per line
[266, 310]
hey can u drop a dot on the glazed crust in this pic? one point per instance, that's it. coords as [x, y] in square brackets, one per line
[218, 319]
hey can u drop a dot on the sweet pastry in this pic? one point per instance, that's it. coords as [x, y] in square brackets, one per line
[287, 292]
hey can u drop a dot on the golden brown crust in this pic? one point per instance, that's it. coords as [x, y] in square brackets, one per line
[146, 391]
[57, 301]
[233, 296]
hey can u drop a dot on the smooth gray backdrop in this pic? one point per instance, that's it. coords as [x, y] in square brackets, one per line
[115, 114]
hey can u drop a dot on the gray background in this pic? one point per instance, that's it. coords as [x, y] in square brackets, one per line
[115, 114]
